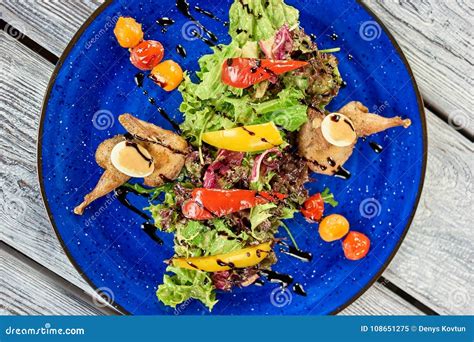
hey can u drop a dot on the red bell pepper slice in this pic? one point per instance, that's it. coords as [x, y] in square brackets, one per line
[208, 203]
[245, 72]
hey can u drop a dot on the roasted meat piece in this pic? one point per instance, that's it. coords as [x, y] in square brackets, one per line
[324, 158]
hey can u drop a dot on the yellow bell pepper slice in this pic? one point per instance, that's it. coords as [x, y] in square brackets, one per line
[251, 138]
[241, 258]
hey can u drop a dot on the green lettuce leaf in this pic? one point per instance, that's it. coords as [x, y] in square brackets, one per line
[184, 285]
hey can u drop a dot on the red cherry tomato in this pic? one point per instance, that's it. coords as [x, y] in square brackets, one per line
[313, 207]
[245, 72]
[147, 54]
[356, 245]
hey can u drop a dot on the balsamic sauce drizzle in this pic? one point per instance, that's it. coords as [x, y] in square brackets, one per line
[275, 277]
[210, 15]
[139, 79]
[183, 7]
[135, 146]
[149, 228]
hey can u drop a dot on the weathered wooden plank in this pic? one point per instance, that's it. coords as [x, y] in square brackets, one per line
[22, 216]
[435, 36]
[50, 23]
[378, 300]
[434, 264]
[24, 77]
[26, 291]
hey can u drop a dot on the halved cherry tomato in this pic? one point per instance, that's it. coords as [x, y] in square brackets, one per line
[147, 54]
[208, 203]
[313, 207]
[167, 75]
[244, 72]
[356, 245]
[128, 32]
[333, 227]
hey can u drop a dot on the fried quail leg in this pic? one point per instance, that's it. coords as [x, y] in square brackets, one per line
[167, 149]
[366, 123]
[324, 158]
[110, 179]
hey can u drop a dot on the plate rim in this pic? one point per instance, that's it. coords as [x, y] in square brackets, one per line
[116, 305]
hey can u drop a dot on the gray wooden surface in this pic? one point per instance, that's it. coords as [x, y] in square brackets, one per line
[434, 264]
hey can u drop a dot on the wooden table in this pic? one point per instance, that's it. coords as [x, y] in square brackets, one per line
[433, 270]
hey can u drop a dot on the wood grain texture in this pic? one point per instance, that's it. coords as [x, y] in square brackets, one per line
[22, 86]
[436, 36]
[26, 291]
[23, 219]
[378, 300]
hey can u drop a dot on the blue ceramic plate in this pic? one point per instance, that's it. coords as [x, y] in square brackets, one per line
[94, 83]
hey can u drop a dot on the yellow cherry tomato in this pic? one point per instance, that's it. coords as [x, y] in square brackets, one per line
[333, 227]
[167, 75]
[246, 138]
[242, 258]
[128, 32]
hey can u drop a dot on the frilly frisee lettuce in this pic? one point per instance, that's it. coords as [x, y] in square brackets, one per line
[184, 285]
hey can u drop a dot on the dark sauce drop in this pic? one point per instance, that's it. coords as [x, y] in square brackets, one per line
[150, 230]
[335, 118]
[342, 173]
[376, 147]
[259, 282]
[334, 36]
[139, 79]
[350, 57]
[164, 23]
[299, 290]
[298, 254]
[210, 15]
[343, 84]
[331, 162]
[223, 263]
[313, 36]
[275, 277]
[181, 50]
